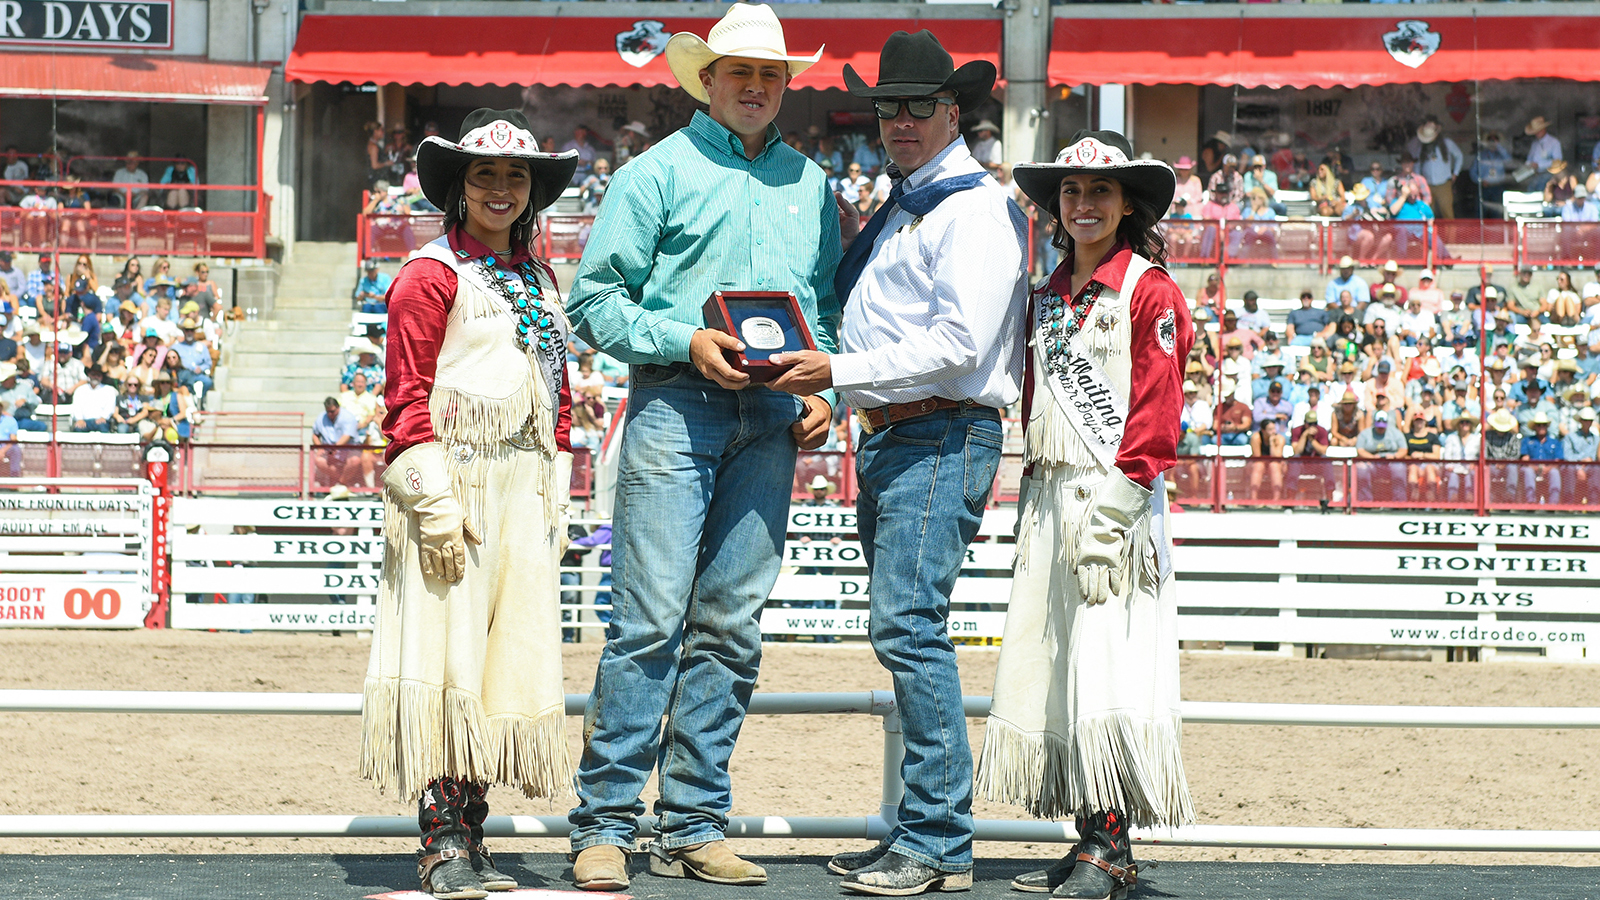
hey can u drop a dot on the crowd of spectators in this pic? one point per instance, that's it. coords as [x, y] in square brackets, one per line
[1429, 177]
[1390, 371]
[173, 189]
[132, 356]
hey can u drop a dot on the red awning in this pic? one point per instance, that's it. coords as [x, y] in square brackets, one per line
[548, 50]
[156, 79]
[1280, 51]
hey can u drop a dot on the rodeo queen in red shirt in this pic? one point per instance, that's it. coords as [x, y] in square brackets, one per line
[1085, 720]
[464, 686]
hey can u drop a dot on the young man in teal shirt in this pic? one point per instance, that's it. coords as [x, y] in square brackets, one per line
[706, 459]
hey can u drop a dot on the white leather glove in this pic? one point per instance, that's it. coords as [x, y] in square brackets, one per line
[1119, 504]
[420, 483]
[562, 474]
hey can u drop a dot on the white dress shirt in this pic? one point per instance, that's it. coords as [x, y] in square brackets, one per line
[90, 401]
[938, 310]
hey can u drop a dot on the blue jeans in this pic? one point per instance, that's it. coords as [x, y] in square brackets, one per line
[924, 484]
[701, 511]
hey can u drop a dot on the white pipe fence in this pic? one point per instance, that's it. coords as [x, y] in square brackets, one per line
[878, 703]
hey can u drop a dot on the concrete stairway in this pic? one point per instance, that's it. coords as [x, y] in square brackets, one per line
[289, 360]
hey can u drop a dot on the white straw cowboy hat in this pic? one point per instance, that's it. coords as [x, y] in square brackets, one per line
[750, 30]
[497, 134]
[1098, 152]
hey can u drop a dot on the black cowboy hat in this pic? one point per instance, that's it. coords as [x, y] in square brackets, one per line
[495, 133]
[917, 65]
[1103, 153]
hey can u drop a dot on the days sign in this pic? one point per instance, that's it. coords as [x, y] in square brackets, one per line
[145, 25]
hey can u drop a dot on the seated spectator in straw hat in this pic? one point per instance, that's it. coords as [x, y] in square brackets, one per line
[1346, 424]
[819, 489]
[1250, 340]
[1541, 446]
[194, 358]
[20, 396]
[1345, 280]
[366, 362]
[1236, 416]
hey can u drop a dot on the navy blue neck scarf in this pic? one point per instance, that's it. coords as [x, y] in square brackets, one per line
[919, 202]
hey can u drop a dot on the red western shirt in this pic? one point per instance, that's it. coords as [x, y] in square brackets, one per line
[1155, 395]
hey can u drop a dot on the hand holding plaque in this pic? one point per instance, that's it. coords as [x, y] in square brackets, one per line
[768, 322]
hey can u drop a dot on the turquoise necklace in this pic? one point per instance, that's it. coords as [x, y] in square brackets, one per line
[536, 326]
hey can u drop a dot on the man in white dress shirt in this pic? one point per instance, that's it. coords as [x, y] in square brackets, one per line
[932, 343]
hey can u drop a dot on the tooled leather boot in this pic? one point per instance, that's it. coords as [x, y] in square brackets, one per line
[444, 862]
[1104, 869]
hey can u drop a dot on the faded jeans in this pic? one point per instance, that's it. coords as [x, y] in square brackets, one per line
[924, 484]
[702, 507]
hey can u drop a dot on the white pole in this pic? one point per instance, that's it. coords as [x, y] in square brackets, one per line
[894, 785]
[842, 827]
[879, 703]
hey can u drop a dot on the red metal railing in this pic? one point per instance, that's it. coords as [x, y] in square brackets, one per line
[1430, 243]
[382, 236]
[1342, 485]
[126, 230]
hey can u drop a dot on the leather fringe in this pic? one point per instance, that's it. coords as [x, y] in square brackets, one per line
[1109, 762]
[412, 733]
[533, 753]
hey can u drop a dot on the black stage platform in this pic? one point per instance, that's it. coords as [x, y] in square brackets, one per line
[352, 877]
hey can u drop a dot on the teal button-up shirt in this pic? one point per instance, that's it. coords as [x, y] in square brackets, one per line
[691, 216]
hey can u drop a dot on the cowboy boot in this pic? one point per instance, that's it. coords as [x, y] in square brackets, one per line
[1045, 880]
[1104, 869]
[477, 810]
[443, 863]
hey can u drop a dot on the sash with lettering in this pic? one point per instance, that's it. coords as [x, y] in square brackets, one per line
[1094, 406]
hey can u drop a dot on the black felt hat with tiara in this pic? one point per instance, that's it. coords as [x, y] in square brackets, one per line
[496, 134]
[1100, 153]
[917, 65]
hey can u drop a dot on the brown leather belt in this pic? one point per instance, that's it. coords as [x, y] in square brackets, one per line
[873, 420]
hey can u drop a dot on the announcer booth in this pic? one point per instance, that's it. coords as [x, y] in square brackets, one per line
[603, 70]
[82, 84]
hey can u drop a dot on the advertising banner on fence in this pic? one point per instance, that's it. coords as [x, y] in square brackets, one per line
[48, 602]
[275, 616]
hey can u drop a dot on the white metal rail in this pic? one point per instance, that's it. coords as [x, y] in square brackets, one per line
[878, 703]
[1195, 712]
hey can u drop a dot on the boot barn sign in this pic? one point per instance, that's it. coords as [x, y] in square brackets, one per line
[145, 25]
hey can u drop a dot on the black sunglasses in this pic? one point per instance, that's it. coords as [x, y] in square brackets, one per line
[920, 108]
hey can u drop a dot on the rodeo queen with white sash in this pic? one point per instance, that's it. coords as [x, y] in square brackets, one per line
[464, 686]
[1085, 720]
